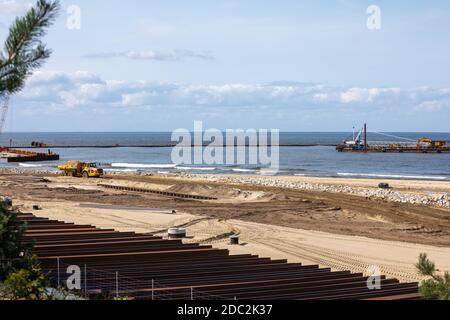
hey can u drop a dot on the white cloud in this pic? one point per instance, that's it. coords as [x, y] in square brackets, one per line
[86, 90]
[433, 106]
[321, 97]
[174, 55]
[135, 99]
[13, 7]
[366, 94]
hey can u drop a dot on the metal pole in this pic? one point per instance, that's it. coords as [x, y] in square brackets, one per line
[117, 284]
[153, 288]
[365, 134]
[57, 266]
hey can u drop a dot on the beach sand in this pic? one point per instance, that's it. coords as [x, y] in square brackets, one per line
[338, 252]
[336, 230]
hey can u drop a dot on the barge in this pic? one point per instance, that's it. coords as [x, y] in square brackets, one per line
[359, 143]
[15, 156]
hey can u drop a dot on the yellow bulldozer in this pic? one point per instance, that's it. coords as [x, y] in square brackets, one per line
[81, 169]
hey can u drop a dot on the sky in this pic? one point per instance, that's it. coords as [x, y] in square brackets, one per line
[289, 65]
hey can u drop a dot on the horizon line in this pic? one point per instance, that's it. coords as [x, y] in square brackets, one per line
[222, 130]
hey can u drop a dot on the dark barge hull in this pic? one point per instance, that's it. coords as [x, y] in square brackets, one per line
[37, 158]
[387, 150]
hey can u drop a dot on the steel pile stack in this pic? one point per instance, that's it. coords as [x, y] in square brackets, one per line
[141, 266]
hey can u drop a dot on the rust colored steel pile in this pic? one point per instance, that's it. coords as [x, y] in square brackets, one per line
[163, 193]
[139, 266]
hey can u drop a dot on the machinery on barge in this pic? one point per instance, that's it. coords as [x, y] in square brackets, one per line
[15, 155]
[360, 143]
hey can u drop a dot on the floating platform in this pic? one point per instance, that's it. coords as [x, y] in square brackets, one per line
[392, 150]
[15, 156]
[360, 144]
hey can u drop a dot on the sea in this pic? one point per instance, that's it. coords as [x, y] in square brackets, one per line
[301, 154]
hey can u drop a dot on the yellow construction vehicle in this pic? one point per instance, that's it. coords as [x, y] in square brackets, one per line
[81, 169]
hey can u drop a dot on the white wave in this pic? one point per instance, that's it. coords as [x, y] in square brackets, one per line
[300, 174]
[269, 172]
[395, 176]
[244, 170]
[142, 165]
[197, 168]
[120, 170]
[29, 165]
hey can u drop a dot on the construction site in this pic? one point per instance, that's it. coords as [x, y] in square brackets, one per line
[168, 238]
[104, 198]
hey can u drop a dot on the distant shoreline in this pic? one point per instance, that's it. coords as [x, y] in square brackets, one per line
[170, 132]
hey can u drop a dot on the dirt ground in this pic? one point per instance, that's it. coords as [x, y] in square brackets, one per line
[339, 231]
[307, 210]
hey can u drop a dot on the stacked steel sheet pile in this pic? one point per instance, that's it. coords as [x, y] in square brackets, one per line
[138, 266]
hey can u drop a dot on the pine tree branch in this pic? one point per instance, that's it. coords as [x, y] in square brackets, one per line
[26, 31]
[435, 286]
[24, 51]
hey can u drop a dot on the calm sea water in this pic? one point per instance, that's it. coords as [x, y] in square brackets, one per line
[319, 160]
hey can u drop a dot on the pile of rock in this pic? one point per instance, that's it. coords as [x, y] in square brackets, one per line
[20, 171]
[438, 199]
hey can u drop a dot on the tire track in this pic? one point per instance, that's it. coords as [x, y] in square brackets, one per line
[338, 260]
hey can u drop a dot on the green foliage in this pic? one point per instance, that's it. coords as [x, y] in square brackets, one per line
[425, 266]
[436, 287]
[14, 254]
[24, 51]
[26, 284]
[19, 270]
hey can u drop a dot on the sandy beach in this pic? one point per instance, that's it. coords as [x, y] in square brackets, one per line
[332, 228]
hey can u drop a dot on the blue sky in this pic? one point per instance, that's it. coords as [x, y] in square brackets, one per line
[293, 65]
